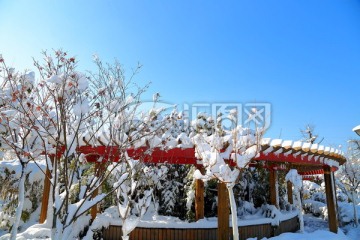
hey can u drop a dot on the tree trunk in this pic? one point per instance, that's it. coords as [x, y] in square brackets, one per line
[233, 212]
[45, 198]
[21, 199]
[290, 192]
[355, 211]
[301, 218]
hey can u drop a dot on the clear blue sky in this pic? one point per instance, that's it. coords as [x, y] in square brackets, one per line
[302, 56]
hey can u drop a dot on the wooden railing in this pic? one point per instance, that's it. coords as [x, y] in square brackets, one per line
[259, 231]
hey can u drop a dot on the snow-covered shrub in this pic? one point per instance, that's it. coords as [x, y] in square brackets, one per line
[10, 171]
[261, 190]
[270, 211]
[346, 213]
[341, 196]
[312, 190]
[282, 188]
[245, 208]
[136, 184]
[317, 208]
[315, 202]
[190, 195]
[171, 194]
[203, 124]
[210, 198]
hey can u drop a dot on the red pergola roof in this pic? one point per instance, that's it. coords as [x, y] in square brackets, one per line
[313, 162]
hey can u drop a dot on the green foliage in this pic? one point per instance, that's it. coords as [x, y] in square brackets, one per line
[210, 198]
[261, 189]
[171, 192]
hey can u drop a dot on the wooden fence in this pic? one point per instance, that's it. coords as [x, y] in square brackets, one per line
[259, 231]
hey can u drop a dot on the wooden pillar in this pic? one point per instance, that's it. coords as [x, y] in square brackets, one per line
[330, 200]
[223, 212]
[99, 167]
[337, 206]
[290, 192]
[273, 189]
[46, 194]
[199, 198]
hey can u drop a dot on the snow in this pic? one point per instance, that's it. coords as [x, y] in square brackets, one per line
[287, 144]
[153, 220]
[317, 229]
[327, 150]
[54, 79]
[314, 148]
[81, 108]
[265, 141]
[306, 146]
[356, 129]
[321, 149]
[276, 143]
[297, 145]
[319, 235]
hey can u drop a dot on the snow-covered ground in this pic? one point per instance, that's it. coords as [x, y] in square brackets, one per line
[317, 229]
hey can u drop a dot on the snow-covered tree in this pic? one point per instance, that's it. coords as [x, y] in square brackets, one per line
[62, 110]
[348, 178]
[17, 131]
[241, 145]
[296, 181]
[135, 193]
[308, 134]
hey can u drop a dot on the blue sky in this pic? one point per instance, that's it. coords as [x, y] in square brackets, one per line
[302, 57]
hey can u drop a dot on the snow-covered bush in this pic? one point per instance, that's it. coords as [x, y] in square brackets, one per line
[190, 195]
[315, 203]
[261, 188]
[171, 194]
[314, 192]
[10, 171]
[245, 208]
[135, 191]
[317, 208]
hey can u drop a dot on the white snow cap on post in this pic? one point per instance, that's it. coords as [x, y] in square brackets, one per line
[294, 178]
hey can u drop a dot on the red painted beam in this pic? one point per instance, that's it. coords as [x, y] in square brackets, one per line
[171, 156]
[183, 156]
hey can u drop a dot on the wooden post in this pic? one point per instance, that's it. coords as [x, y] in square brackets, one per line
[223, 212]
[290, 192]
[330, 199]
[46, 194]
[273, 189]
[337, 206]
[99, 167]
[199, 198]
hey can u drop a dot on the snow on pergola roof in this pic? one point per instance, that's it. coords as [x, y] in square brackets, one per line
[308, 158]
